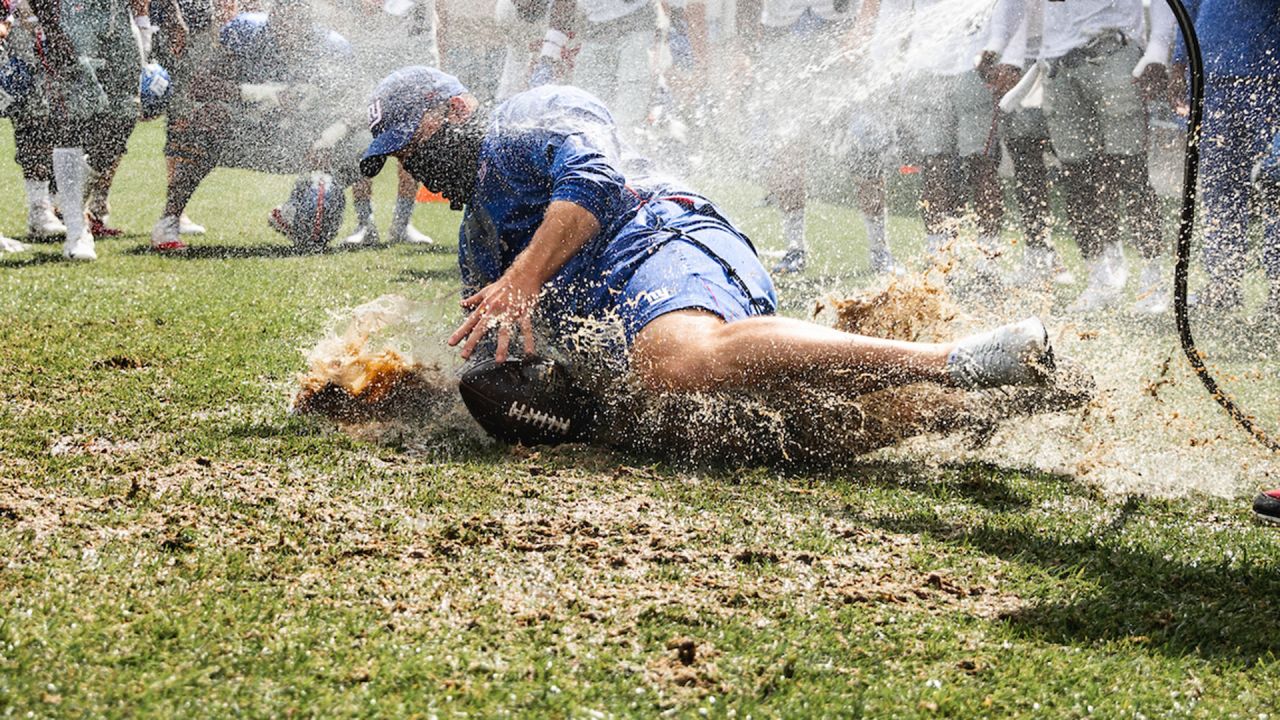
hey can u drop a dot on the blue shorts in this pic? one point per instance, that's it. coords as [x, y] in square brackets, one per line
[677, 253]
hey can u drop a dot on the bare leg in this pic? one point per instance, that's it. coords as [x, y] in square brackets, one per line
[362, 189]
[693, 350]
[402, 229]
[406, 186]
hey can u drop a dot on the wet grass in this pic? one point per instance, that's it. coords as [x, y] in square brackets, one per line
[174, 543]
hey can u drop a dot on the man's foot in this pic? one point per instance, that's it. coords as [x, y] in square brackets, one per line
[365, 235]
[9, 245]
[98, 226]
[1154, 297]
[883, 262]
[1040, 268]
[791, 263]
[410, 235]
[1016, 354]
[1266, 507]
[281, 220]
[80, 248]
[1107, 276]
[43, 222]
[1217, 298]
[188, 227]
[164, 236]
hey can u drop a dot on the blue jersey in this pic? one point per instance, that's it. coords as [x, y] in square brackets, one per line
[1237, 37]
[259, 57]
[557, 143]
[548, 144]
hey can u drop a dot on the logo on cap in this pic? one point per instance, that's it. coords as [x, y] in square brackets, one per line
[375, 114]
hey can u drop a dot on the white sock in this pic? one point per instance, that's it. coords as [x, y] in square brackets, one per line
[793, 229]
[875, 226]
[400, 216]
[69, 169]
[37, 192]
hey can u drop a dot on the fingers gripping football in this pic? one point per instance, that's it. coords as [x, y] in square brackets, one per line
[499, 307]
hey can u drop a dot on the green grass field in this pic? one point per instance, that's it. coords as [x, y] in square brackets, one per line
[174, 543]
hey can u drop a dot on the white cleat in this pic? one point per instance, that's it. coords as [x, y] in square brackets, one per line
[80, 248]
[883, 262]
[186, 226]
[1040, 267]
[165, 237]
[366, 235]
[9, 245]
[413, 236]
[1016, 354]
[43, 222]
[792, 262]
[1107, 277]
[1154, 297]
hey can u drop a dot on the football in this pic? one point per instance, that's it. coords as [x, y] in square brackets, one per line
[529, 400]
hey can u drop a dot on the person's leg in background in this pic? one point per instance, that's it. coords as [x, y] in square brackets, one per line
[33, 151]
[1239, 120]
[107, 134]
[402, 229]
[366, 232]
[940, 171]
[1026, 137]
[786, 185]
[1125, 124]
[633, 78]
[194, 139]
[978, 144]
[1075, 131]
[872, 203]
[201, 25]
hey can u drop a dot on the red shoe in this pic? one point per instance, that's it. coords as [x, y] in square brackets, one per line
[164, 236]
[1266, 507]
[98, 227]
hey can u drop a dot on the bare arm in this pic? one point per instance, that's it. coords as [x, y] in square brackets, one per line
[509, 300]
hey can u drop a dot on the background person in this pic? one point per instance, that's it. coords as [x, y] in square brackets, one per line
[274, 96]
[1241, 43]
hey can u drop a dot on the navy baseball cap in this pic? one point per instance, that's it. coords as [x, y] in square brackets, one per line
[397, 107]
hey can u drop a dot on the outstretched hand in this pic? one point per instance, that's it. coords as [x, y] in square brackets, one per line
[505, 304]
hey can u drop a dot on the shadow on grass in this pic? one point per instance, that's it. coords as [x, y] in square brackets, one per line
[30, 258]
[428, 275]
[262, 250]
[435, 248]
[1144, 593]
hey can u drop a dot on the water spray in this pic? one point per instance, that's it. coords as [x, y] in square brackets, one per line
[1182, 263]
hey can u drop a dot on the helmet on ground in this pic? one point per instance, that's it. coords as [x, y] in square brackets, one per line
[315, 206]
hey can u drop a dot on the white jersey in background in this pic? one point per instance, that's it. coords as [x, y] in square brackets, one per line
[948, 35]
[784, 13]
[1075, 23]
[1014, 35]
[603, 11]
